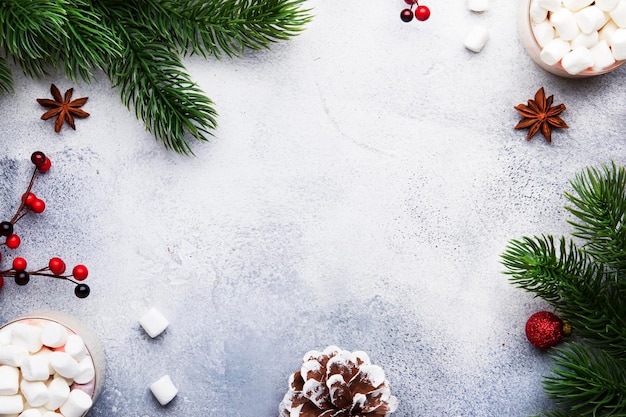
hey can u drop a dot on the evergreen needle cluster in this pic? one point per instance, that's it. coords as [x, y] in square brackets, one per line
[585, 281]
[139, 45]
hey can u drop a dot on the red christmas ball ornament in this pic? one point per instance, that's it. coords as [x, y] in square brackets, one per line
[544, 329]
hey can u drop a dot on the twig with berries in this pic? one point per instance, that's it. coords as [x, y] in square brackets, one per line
[56, 266]
[421, 12]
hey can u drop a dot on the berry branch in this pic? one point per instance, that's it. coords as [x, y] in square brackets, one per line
[56, 266]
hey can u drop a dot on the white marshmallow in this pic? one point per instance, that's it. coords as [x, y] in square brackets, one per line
[554, 51]
[543, 32]
[11, 404]
[607, 5]
[602, 56]
[575, 5]
[550, 5]
[588, 41]
[64, 364]
[36, 367]
[86, 371]
[163, 390]
[23, 334]
[31, 412]
[35, 393]
[9, 380]
[577, 60]
[13, 355]
[75, 347]
[565, 24]
[53, 335]
[478, 5]
[58, 391]
[618, 14]
[537, 13]
[153, 322]
[590, 19]
[51, 414]
[607, 31]
[618, 44]
[77, 403]
[5, 336]
[476, 39]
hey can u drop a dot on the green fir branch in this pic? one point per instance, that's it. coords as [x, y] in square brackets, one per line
[588, 382]
[585, 284]
[600, 207]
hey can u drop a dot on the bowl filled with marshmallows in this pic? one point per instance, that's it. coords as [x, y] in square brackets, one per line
[51, 365]
[574, 38]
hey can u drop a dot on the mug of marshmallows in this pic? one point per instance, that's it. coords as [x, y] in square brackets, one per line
[574, 38]
[51, 365]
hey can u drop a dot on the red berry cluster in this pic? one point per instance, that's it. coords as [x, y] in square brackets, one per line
[56, 266]
[421, 12]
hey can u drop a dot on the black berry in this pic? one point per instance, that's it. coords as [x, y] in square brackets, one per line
[82, 290]
[6, 228]
[38, 158]
[406, 15]
[22, 278]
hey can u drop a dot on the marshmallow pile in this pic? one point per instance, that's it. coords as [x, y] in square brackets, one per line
[45, 371]
[580, 34]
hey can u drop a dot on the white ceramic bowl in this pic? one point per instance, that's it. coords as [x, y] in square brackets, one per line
[532, 47]
[73, 326]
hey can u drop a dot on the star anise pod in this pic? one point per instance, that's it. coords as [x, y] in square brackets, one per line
[63, 107]
[540, 115]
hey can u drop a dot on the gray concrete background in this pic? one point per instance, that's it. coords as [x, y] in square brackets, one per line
[364, 180]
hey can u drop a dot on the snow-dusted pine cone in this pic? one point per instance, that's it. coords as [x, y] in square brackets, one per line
[338, 383]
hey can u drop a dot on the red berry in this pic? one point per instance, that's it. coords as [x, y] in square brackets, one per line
[422, 13]
[57, 266]
[19, 264]
[38, 158]
[28, 199]
[38, 206]
[13, 241]
[80, 272]
[410, 1]
[1, 281]
[45, 166]
[406, 15]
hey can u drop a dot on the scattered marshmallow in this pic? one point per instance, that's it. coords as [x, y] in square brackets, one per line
[554, 51]
[35, 393]
[476, 38]
[53, 335]
[77, 403]
[478, 5]
[618, 14]
[153, 322]
[577, 60]
[9, 380]
[607, 5]
[11, 404]
[602, 56]
[58, 391]
[618, 43]
[565, 24]
[164, 390]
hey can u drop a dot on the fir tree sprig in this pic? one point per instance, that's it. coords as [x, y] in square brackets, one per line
[585, 284]
[138, 44]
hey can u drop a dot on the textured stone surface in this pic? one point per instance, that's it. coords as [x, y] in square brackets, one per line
[364, 179]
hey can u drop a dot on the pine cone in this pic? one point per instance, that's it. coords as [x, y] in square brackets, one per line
[337, 383]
